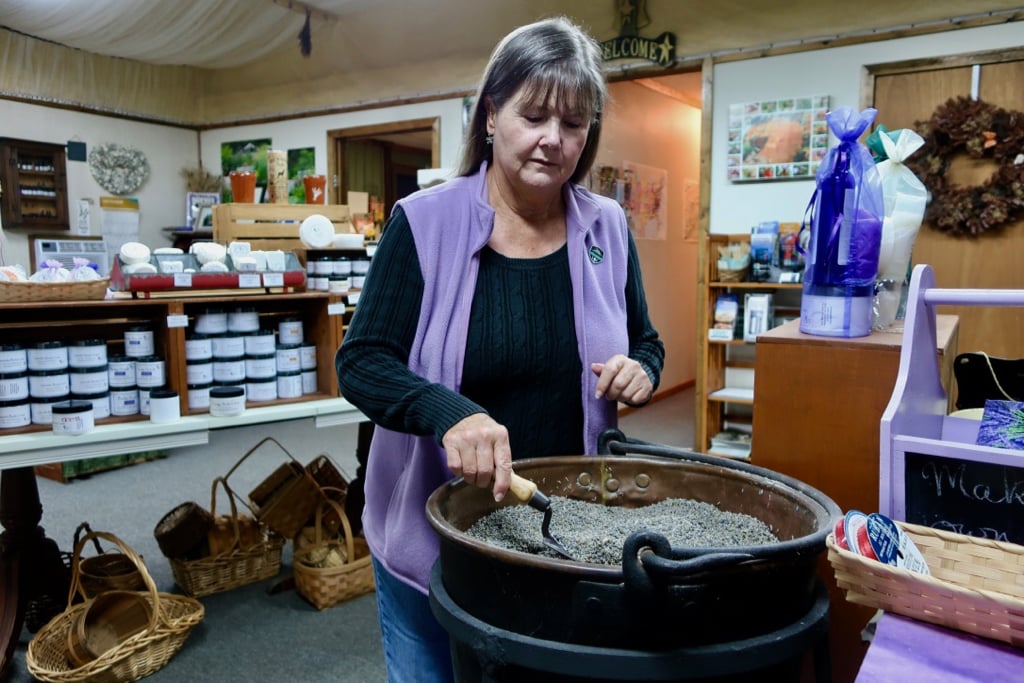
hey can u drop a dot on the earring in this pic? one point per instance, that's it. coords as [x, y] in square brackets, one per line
[489, 139]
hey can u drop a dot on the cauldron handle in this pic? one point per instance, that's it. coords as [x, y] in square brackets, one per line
[647, 554]
[613, 442]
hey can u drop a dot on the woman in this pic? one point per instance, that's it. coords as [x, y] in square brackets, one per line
[498, 303]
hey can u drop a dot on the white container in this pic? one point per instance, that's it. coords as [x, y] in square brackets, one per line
[212, 321]
[124, 400]
[71, 418]
[14, 414]
[289, 384]
[342, 266]
[360, 266]
[13, 386]
[198, 347]
[198, 372]
[307, 357]
[288, 358]
[261, 367]
[100, 403]
[89, 380]
[138, 342]
[289, 331]
[13, 358]
[323, 266]
[227, 401]
[87, 353]
[50, 355]
[121, 371]
[164, 406]
[262, 343]
[337, 284]
[259, 390]
[318, 282]
[356, 281]
[309, 382]
[149, 372]
[228, 345]
[229, 369]
[42, 409]
[243, 320]
[198, 396]
[48, 383]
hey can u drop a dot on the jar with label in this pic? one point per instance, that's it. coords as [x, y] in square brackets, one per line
[138, 342]
[229, 345]
[260, 390]
[337, 284]
[42, 409]
[198, 371]
[360, 266]
[13, 358]
[14, 414]
[289, 331]
[260, 367]
[89, 380]
[212, 321]
[144, 393]
[227, 401]
[307, 356]
[229, 369]
[13, 386]
[121, 371]
[47, 383]
[87, 353]
[309, 382]
[288, 357]
[164, 406]
[244, 319]
[124, 400]
[342, 266]
[149, 372]
[48, 355]
[289, 384]
[72, 418]
[323, 265]
[199, 396]
[100, 403]
[198, 346]
[260, 343]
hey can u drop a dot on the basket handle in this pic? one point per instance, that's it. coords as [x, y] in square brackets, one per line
[76, 584]
[318, 525]
[231, 501]
[84, 526]
[256, 448]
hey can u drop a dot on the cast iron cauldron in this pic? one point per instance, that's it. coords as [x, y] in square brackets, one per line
[660, 597]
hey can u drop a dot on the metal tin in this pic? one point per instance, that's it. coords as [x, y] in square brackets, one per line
[289, 384]
[228, 369]
[100, 403]
[87, 353]
[48, 355]
[13, 358]
[42, 409]
[124, 400]
[149, 372]
[13, 386]
[289, 331]
[258, 390]
[260, 343]
[47, 383]
[199, 347]
[121, 371]
[198, 372]
[89, 380]
[227, 401]
[230, 345]
[138, 342]
[72, 417]
[14, 414]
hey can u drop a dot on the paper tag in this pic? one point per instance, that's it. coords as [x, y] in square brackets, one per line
[249, 280]
[273, 279]
[183, 279]
[336, 309]
[177, 321]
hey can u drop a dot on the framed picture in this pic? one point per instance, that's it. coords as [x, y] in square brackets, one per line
[777, 139]
[204, 220]
[194, 201]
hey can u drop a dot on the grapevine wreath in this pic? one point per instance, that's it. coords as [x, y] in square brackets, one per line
[118, 169]
[982, 131]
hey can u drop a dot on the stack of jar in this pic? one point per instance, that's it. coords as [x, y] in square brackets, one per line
[336, 274]
[135, 374]
[15, 408]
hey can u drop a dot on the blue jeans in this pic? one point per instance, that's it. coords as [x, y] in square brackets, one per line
[416, 646]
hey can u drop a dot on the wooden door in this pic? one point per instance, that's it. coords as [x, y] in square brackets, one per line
[911, 92]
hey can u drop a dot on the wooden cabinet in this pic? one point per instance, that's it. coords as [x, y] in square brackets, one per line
[33, 185]
[818, 404]
[718, 402]
[171, 320]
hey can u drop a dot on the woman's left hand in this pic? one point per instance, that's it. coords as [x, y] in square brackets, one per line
[622, 379]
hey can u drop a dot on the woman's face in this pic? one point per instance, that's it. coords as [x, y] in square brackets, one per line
[537, 145]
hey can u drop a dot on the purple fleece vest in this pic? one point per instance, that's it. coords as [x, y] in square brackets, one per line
[451, 223]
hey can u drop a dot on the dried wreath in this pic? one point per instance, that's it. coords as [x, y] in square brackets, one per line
[982, 131]
[118, 169]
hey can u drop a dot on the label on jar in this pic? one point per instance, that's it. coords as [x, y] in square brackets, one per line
[48, 356]
[88, 354]
[261, 367]
[309, 381]
[15, 414]
[42, 409]
[243, 320]
[199, 397]
[289, 385]
[199, 373]
[288, 359]
[89, 380]
[289, 331]
[124, 401]
[48, 383]
[100, 403]
[198, 348]
[13, 358]
[258, 390]
[149, 372]
[13, 387]
[228, 369]
[228, 346]
[260, 344]
[212, 322]
[138, 341]
[72, 417]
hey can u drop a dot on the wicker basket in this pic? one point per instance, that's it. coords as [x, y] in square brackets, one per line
[974, 584]
[173, 617]
[106, 571]
[333, 485]
[285, 500]
[728, 275]
[18, 292]
[328, 586]
[241, 565]
[182, 532]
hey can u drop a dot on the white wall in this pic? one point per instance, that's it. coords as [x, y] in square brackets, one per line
[161, 197]
[836, 72]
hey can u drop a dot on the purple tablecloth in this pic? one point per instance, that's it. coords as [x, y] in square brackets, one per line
[910, 651]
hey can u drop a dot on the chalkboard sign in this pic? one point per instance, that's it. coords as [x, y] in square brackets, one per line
[978, 499]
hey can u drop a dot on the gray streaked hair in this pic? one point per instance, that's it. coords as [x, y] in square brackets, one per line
[549, 58]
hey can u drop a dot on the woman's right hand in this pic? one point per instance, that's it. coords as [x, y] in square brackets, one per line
[479, 451]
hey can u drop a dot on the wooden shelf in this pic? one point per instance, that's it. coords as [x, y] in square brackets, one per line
[34, 181]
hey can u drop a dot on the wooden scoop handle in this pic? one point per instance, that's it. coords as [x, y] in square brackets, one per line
[522, 488]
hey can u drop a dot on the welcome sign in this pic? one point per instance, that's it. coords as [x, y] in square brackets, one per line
[631, 16]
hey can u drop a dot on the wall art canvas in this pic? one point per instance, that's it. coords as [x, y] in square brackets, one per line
[777, 139]
[244, 155]
[301, 163]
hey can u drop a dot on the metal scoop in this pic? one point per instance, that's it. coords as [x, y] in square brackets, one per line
[527, 492]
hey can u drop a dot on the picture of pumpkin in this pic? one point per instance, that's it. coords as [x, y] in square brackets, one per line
[776, 140]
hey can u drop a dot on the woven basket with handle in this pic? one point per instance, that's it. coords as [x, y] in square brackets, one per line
[325, 583]
[974, 586]
[106, 570]
[171, 621]
[286, 499]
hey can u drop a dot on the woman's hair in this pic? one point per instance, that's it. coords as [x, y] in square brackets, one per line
[549, 58]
